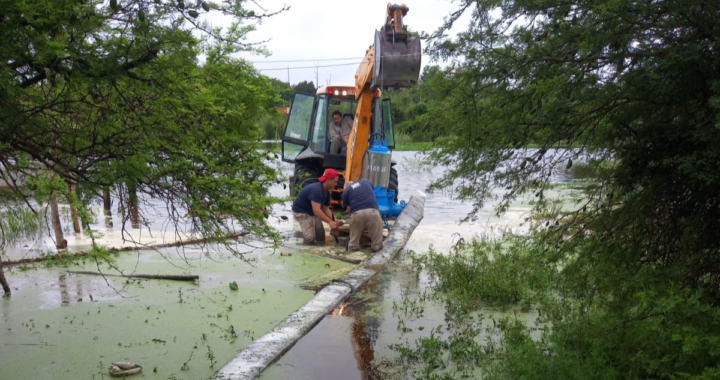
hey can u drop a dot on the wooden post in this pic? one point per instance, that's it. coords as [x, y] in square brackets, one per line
[73, 210]
[133, 206]
[107, 206]
[60, 241]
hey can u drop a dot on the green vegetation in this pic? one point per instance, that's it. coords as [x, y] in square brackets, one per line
[414, 111]
[413, 146]
[483, 272]
[625, 282]
[272, 123]
[99, 96]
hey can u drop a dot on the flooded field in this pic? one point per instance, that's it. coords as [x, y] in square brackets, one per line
[59, 325]
[354, 342]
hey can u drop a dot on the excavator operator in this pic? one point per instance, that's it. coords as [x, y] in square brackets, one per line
[339, 132]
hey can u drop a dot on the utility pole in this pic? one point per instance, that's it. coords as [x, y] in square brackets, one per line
[317, 81]
[288, 68]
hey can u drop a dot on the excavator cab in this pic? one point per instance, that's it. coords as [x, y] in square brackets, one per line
[306, 141]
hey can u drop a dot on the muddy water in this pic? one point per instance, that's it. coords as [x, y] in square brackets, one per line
[62, 326]
[58, 325]
[353, 341]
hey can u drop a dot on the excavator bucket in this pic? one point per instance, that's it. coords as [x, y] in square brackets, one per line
[397, 60]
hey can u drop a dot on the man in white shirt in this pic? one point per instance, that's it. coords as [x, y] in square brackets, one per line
[339, 132]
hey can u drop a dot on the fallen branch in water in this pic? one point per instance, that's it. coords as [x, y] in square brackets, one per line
[29, 344]
[172, 277]
[340, 258]
[124, 249]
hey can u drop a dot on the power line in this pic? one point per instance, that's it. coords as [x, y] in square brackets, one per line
[309, 67]
[307, 60]
[328, 59]
[320, 66]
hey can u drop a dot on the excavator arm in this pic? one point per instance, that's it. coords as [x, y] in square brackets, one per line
[393, 61]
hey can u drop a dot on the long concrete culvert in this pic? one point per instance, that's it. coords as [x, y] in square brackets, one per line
[261, 353]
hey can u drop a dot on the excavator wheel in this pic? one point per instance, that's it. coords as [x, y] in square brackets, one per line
[393, 184]
[304, 175]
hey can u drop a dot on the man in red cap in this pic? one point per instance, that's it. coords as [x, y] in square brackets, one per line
[312, 205]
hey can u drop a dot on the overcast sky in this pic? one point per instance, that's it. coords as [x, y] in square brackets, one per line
[322, 30]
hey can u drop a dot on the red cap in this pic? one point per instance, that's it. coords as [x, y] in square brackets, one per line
[329, 173]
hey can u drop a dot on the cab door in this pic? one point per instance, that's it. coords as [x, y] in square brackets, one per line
[297, 128]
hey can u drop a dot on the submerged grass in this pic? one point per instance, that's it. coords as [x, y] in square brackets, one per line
[476, 275]
[484, 272]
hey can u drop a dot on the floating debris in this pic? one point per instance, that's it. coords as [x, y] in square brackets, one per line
[124, 369]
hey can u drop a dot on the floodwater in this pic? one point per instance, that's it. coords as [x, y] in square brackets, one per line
[353, 342]
[58, 325]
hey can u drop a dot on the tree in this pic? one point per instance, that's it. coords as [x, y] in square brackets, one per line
[306, 87]
[114, 95]
[284, 90]
[632, 88]
[411, 108]
[430, 72]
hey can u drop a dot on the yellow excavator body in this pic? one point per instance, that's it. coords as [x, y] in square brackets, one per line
[392, 62]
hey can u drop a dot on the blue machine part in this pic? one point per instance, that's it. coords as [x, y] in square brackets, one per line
[386, 204]
[385, 198]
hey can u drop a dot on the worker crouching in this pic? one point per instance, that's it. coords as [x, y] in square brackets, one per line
[312, 205]
[359, 199]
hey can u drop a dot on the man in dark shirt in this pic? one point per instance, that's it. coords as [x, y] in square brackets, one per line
[312, 205]
[359, 199]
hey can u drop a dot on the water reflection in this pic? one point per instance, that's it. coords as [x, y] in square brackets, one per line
[369, 317]
[65, 295]
[363, 321]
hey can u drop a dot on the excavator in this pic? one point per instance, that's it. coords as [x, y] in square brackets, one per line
[392, 62]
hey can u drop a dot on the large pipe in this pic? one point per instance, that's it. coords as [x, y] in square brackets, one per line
[252, 360]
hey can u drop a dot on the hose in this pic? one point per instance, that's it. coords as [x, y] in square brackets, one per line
[352, 288]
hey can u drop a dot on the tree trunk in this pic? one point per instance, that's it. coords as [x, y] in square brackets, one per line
[60, 241]
[107, 206]
[121, 201]
[133, 206]
[73, 210]
[3, 281]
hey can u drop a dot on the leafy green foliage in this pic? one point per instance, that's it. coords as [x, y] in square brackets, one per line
[632, 86]
[115, 97]
[412, 109]
[484, 273]
[17, 224]
[272, 125]
[284, 90]
[306, 87]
